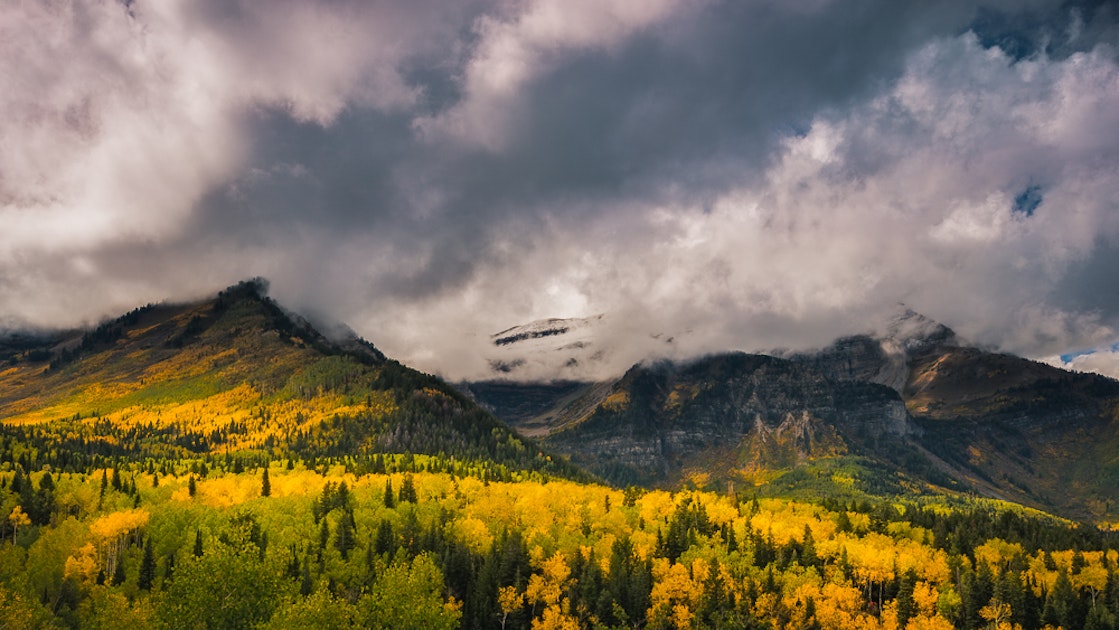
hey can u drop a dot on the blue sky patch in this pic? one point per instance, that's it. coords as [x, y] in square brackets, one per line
[1027, 201]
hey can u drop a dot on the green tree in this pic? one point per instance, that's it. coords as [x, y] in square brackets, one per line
[228, 587]
[907, 608]
[265, 484]
[147, 567]
[390, 500]
[408, 489]
[318, 611]
[409, 595]
[344, 536]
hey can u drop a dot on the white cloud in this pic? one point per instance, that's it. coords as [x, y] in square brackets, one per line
[907, 196]
[515, 48]
[733, 175]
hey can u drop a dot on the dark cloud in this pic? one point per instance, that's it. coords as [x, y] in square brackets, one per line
[730, 174]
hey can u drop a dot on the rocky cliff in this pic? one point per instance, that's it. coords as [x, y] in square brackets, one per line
[728, 415]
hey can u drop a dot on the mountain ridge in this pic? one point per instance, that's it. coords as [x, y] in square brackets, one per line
[238, 374]
[974, 420]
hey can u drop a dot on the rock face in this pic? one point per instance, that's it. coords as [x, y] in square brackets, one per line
[740, 410]
[882, 357]
[913, 397]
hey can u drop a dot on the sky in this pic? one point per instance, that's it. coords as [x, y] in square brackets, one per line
[747, 174]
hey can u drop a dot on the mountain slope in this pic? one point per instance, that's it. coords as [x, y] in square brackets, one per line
[234, 374]
[1008, 426]
[913, 400]
[730, 417]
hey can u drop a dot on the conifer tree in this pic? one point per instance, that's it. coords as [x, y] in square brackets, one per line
[344, 537]
[197, 543]
[408, 489]
[324, 534]
[147, 567]
[306, 586]
[265, 484]
[192, 487]
[390, 501]
[118, 572]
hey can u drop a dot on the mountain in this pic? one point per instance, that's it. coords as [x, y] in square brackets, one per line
[733, 412]
[912, 407]
[235, 374]
[568, 348]
[1010, 427]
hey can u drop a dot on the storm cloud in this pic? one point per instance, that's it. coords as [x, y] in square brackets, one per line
[731, 175]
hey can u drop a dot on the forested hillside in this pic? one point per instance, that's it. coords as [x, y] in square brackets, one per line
[237, 376]
[223, 465]
[197, 545]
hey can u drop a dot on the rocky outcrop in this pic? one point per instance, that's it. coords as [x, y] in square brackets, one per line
[738, 409]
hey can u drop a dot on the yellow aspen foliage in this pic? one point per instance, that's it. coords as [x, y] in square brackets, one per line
[923, 622]
[18, 518]
[681, 616]
[837, 606]
[1092, 578]
[644, 543]
[997, 553]
[889, 617]
[602, 550]
[555, 618]
[998, 614]
[673, 588]
[83, 564]
[120, 523]
[873, 558]
[765, 607]
[721, 512]
[474, 533]
[510, 599]
[656, 506]
[548, 588]
[228, 491]
[925, 597]
[701, 570]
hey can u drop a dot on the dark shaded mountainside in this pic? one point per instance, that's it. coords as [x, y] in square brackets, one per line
[236, 376]
[912, 410]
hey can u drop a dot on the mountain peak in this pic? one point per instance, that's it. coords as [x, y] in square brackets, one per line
[549, 349]
[914, 331]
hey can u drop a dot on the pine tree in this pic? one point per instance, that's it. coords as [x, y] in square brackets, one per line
[390, 501]
[265, 484]
[907, 608]
[306, 586]
[118, 572]
[344, 537]
[197, 543]
[408, 490]
[192, 488]
[384, 543]
[147, 568]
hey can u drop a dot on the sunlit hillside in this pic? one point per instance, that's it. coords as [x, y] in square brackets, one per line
[223, 465]
[288, 547]
[232, 375]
